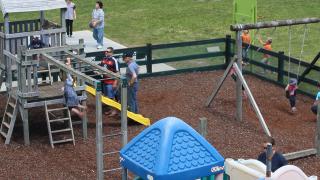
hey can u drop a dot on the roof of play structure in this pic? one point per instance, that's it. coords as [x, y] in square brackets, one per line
[14, 6]
[169, 150]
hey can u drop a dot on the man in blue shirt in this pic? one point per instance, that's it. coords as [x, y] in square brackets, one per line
[278, 160]
[314, 107]
[132, 72]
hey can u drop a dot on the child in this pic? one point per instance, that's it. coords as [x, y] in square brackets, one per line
[245, 36]
[291, 93]
[234, 76]
[70, 95]
[316, 103]
[266, 46]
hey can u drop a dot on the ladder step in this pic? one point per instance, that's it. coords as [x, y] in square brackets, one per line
[59, 120]
[9, 114]
[57, 109]
[62, 130]
[6, 124]
[110, 170]
[43, 71]
[110, 153]
[112, 135]
[12, 104]
[3, 134]
[62, 141]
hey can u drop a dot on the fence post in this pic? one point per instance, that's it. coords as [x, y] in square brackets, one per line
[228, 50]
[203, 126]
[280, 67]
[149, 58]
[318, 132]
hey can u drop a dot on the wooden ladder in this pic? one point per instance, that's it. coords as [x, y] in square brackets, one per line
[48, 70]
[59, 115]
[9, 119]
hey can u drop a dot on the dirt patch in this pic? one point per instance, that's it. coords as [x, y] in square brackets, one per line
[182, 96]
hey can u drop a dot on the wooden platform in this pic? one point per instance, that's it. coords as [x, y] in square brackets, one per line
[53, 94]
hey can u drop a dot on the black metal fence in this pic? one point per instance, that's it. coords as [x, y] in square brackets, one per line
[215, 54]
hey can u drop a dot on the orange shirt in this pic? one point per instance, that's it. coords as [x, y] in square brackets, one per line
[246, 38]
[268, 47]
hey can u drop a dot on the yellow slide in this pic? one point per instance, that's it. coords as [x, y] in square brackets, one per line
[136, 117]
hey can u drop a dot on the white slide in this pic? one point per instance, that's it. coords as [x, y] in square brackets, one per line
[252, 169]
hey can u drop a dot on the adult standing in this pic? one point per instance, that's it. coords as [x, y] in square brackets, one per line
[70, 16]
[132, 73]
[110, 84]
[97, 24]
[278, 160]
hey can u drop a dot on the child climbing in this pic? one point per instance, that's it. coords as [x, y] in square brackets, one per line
[234, 76]
[245, 36]
[70, 95]
[316, 103]
[267, 45]
[291, 93]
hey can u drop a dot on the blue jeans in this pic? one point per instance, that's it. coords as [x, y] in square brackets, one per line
[132, 97]
[109, 91]
[98, 34]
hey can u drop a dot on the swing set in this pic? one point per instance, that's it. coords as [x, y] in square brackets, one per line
[236, 64]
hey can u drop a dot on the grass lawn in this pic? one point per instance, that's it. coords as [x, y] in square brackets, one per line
[138, 22]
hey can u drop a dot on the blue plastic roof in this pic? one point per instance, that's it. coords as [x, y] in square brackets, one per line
[171, 150]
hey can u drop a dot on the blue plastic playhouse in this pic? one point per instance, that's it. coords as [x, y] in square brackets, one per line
[171, 150]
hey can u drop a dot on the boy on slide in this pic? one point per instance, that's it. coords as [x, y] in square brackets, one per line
[316, 103]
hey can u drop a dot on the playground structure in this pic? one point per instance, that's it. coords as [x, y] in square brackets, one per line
[29, 92]
[26, 65]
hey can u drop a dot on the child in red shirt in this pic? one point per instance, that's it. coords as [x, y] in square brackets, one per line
[291, 89]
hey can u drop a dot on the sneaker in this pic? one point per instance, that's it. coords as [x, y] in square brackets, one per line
[294, 109]
[99, 47]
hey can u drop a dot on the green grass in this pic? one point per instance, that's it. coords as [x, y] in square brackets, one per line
[138, 22]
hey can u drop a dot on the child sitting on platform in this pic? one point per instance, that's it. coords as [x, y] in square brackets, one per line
[291, 89]
[316, 103]
[70, 95]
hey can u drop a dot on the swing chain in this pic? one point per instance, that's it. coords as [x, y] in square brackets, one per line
[302, 49]
[289, 53]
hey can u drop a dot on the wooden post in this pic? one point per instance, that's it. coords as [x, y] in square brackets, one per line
[99, 134]
[228, 52]
[85, 117]
[149, 58]
[239, 84]
[318, 131]
[124, 119]
[280, 67]
[203, 126]
[63, 25]
[269, 155]
[41, 18]
[7, 60]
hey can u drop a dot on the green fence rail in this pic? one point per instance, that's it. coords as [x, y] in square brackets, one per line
[186, 57]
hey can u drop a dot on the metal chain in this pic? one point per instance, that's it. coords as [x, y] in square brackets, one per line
[302, 49]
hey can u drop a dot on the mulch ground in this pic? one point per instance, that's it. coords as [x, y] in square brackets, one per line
[182, 96]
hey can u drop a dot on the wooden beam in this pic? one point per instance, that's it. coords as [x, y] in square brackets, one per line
[270, 24]
[252, 100]
[62, 66]
[300, 154]
[33, 33]
[102, 70]
[218, 87]
[31, 52]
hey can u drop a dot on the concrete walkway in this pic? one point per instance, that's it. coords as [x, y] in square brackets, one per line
[90, 46]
